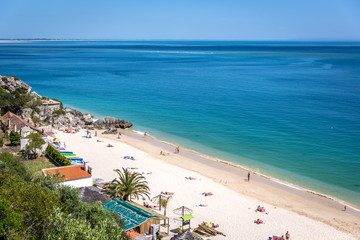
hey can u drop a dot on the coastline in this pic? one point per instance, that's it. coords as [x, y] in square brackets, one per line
[301, 212]
[233, 167]
[308, 203]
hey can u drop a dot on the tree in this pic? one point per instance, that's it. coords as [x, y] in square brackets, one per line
[128, 184]
[12, 165]
[163, 201]
[10, 220]
[14, 138]
[35, 142]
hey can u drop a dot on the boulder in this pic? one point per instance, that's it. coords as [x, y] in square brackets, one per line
[111, 122]
[25, 113]
[12, 83]
[110, 131]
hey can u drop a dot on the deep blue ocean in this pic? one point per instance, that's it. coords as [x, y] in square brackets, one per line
[290, 110]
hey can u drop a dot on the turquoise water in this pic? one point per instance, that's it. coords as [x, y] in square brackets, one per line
[286, 109]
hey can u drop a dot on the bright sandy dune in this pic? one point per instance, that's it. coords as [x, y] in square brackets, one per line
[233, 210]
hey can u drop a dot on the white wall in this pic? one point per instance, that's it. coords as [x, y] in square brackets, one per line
[82, 182]
[24, 142]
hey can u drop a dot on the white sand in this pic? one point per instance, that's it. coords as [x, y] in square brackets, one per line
[233, 211]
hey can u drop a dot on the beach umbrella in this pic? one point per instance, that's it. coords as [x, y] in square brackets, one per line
[87, 131]
[182, 211]
[56, 140]
[99, 180]
[156, 200]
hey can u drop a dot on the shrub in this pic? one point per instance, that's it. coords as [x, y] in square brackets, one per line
[54, 154]
[61, 104]
[57, 113]
[12, 164]
[14, 138]
[1, 142]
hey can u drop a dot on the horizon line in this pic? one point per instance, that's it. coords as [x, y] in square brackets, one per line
[208, 40]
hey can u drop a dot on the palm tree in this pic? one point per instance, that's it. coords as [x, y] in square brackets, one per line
[127, 185]
[164, 202]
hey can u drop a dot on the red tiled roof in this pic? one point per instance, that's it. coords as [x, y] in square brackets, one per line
[70, 172]
[16, 120]
[132, 234]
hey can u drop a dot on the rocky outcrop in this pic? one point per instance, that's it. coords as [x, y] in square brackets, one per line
[110, 131]
[73, 118]
[111, 122]
[50, 112]
[25, 113]
[12, 83]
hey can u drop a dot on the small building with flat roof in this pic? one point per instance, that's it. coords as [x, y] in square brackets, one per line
[134, 217]
[74, 176]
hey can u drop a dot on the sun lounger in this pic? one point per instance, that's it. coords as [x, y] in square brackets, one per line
[210, 231]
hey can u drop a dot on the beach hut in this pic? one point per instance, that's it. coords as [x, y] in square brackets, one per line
[134, 217]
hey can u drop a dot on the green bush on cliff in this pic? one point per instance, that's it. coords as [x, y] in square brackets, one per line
[54, 154]
[61, 104]
[13, 101]
[57, 113]
[1, 142]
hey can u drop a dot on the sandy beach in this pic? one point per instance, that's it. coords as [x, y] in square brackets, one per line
[234, 200]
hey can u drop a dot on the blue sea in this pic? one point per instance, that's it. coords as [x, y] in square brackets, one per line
[289, 110]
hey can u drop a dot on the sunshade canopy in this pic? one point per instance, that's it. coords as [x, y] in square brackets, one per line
[182, 211]
[187, 217]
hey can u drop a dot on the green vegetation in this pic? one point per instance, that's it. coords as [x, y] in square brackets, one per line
[128, 185]
[39, 208]
[14, 138]
[1, 142]
[13, 101]
[61, 104]
[34, 144]
[57, 113]
[56, 156]
[164, 203]
[34, 167]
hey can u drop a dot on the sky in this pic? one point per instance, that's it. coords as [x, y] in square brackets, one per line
[181, 20]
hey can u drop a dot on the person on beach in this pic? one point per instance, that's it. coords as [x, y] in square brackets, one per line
[287, 235]
[161, 153]
[119, 135]
[344, 208]
[248, 176]
[64, 145]
[282, 237]
[95, 133]
[178, 149]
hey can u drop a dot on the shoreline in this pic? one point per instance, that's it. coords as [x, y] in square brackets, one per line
[300, 212]
[156, 142]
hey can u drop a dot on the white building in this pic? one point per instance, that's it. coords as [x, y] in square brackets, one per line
[75, 176]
